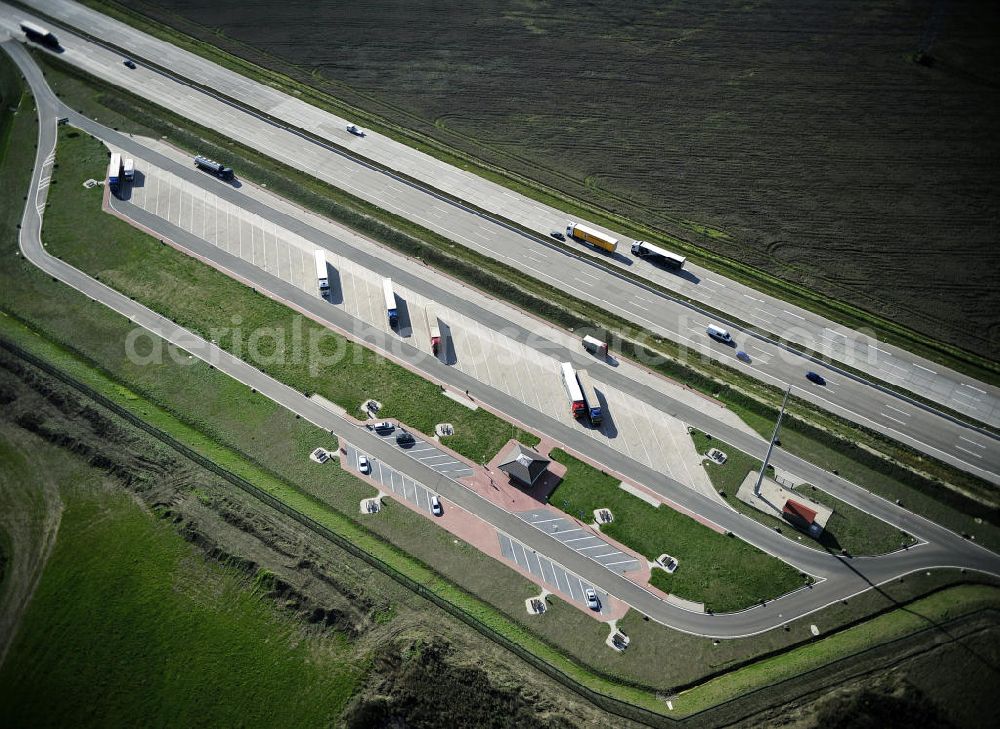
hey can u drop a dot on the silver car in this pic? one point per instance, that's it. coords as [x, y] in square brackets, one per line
[592, 601]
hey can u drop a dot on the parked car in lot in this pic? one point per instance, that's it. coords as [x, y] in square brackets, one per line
[436, 509]
[384, 427]
[129, 63]
[815, 377]
[404, 439]
[363, 465]
[557, 234]
[592, 602]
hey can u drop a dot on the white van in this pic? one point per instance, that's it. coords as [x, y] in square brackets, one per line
[595, 346]
[718, 333]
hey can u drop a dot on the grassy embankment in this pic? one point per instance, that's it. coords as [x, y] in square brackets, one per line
[723, 572]
[953, 498]
[236, 428]
[849, 528]
[927, 613]
[127, 626]
[304, 86]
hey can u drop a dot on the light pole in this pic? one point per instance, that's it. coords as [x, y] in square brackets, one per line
[770, 446]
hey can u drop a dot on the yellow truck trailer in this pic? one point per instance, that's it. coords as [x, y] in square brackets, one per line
[594, 237]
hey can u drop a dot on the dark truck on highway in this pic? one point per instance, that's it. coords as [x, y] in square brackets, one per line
[216, 168]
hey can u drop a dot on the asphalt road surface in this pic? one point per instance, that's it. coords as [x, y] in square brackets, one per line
[838, 578]
[990, 457]
[952, 441]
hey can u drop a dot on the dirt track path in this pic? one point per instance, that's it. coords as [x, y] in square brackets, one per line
[30, 514]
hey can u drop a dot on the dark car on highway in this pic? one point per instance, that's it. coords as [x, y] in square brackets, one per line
[815, 377]
[557, 235]
[129, 63]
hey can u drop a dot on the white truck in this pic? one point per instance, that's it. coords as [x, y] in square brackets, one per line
[129, 169]
[322, 275]
[646, 250]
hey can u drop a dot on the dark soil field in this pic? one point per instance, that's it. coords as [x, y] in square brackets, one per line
[806, 133]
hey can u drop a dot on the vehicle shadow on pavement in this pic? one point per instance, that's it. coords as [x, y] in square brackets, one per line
[607, 426]
[448, 354]
[335, 295]
[404, 327]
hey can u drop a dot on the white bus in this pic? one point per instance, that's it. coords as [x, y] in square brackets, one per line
[577, 405]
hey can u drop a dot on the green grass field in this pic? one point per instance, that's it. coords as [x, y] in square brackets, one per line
[849, 528]
[723, 572]
[129, 626]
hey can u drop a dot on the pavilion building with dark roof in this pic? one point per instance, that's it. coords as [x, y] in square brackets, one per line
[523, 465]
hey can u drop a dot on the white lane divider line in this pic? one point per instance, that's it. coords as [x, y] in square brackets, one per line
[886, 415]
[977, 445]
[971, 453]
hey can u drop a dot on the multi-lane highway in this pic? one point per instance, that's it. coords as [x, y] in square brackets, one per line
[942, 437]
[838, 578]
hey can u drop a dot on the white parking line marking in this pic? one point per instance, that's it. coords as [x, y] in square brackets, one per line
[626, 561]
[578, 539]
[609, 554]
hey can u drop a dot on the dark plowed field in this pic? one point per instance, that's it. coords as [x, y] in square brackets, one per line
[805, 131]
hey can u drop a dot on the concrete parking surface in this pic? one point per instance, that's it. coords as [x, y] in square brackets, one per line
[630, 426]
[391, 481]
[550, 573]
[583, 539]
[430, 455]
